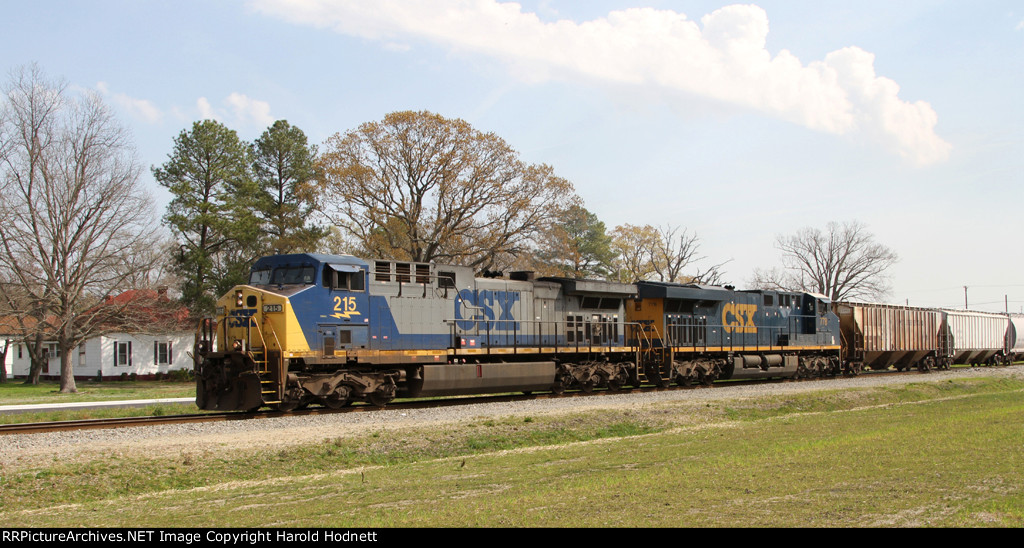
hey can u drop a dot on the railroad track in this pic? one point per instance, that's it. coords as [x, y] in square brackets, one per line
[126, 422]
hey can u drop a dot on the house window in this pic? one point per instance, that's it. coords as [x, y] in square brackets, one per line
[123, 354]
[54, 349]
[161, 353]
[19, 351]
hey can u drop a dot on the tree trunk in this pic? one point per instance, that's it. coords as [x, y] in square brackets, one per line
[67, 371]
[3, 361]
[35, 354]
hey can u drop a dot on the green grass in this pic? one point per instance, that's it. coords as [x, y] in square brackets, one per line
[946, 454]
[15, 392]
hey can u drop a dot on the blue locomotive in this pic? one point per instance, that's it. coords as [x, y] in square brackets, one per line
[333, 329]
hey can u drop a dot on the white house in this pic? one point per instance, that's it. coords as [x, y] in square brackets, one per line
[112, 355]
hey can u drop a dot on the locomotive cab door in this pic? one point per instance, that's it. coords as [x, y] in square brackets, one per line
[348, 310]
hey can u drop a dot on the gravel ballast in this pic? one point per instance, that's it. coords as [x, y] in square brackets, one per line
[28, 449]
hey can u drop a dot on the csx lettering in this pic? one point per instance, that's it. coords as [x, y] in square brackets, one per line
[739, 318]
[479, 306]
[345, 307]
[240, 318]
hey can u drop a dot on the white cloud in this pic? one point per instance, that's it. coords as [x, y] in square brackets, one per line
[137, 108]
[249, 110]
[724, 58]
[206, 110]
[239, 109]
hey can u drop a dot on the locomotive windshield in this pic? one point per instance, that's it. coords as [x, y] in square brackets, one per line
[259, 277]
[285, 275]
[293, 275]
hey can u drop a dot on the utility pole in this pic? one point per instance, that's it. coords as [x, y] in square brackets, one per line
[965, 297]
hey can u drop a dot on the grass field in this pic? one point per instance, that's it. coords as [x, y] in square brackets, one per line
[17, 393]
[943, 454]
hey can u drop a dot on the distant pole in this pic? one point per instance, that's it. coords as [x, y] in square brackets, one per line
[965, 297]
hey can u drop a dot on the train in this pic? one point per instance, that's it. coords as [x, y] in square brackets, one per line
[330, 330]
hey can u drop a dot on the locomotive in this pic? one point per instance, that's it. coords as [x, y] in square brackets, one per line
[333, 329]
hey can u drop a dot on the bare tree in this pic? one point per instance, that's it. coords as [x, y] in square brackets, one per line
[843, 262]
[150, 264]
[73, 209]
[675, 257]
[667, 254]
[421, 187]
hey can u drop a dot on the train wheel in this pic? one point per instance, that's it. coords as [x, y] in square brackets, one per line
[341, 397]
[380, 399]
[287, 406]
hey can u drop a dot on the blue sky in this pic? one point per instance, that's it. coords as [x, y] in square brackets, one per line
[739, 122]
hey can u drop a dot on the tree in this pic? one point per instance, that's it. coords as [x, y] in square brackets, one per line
[843, 262]
[283, 164]
[73, 209]
[3, 359]
[211, 214]
[634, 247]
[417, 186]
[665, 254]
[576, 247]
[678, 251]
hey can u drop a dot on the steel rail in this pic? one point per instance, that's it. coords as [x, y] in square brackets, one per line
[126, 422]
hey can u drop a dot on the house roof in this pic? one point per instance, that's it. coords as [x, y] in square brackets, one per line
[146, 307]
[130, 311]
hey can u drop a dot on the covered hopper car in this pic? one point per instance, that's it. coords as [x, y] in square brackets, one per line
[878, 336]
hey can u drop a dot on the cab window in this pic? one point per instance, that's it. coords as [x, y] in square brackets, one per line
[293, 275]
[260, 277]
[344, 278]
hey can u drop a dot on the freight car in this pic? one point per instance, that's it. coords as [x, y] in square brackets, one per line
[330, 330]
[977, 338]
[1015, 338]
[878, 336]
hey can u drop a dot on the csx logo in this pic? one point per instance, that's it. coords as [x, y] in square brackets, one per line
[473, 306]
[240, 318]
[739, 318]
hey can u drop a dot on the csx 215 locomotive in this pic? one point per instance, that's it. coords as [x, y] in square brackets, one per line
[330, 330]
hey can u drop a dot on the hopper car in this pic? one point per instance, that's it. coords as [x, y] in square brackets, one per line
[1015, 338]
[879, 336]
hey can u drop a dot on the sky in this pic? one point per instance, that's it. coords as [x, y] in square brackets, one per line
[740, 122]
